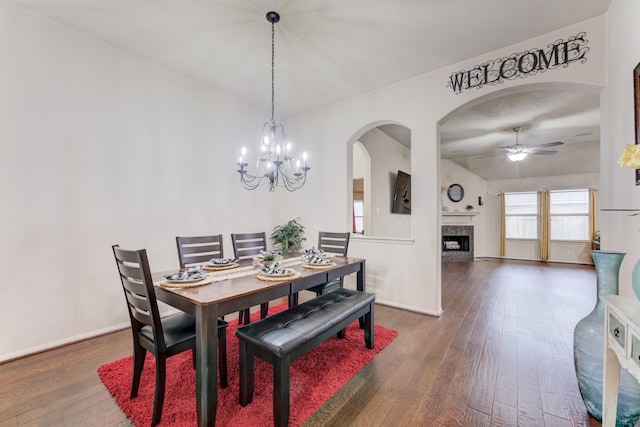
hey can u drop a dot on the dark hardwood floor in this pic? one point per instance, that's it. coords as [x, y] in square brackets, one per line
[500, 355]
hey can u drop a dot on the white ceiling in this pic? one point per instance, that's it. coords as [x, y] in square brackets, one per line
[326, 50]
[544, 116]
[329, 50]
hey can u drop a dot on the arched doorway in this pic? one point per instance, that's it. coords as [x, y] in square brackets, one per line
[474, 142]
[376, 155]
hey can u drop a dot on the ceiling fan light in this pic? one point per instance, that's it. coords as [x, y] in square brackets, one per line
[516, 157]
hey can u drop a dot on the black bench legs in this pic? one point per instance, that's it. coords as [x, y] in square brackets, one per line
[284, 337]
[281, 385]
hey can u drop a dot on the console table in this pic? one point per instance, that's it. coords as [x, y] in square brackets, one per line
[621, 349]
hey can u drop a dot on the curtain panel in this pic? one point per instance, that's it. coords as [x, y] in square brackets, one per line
[503, 227]
[545, 224]
[593, 227]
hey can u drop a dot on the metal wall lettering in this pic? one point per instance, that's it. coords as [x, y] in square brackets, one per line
[561, 53]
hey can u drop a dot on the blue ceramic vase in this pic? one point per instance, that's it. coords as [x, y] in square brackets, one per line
[588, 348]
[635, 279]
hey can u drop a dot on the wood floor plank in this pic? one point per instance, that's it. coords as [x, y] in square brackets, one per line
[552, 396]
[9, 422]
[477, 419]
[482, 396]
[504, 415]
[529, 405]
[551, 421]
[433, 401]
[506, 391]
[579, 416]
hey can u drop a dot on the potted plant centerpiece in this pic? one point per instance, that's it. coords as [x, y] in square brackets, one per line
[288, 236]
[267, 259]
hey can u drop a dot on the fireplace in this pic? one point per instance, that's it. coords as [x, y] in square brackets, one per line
[457, 242]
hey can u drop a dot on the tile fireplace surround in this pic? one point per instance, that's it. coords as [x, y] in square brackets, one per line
[457, 230]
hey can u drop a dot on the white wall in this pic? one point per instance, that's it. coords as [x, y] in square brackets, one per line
[98, 148]
[618, 190]
[387, 156]
[474, 187]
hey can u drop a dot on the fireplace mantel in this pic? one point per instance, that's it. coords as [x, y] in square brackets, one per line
[457, 217]
[458, 213]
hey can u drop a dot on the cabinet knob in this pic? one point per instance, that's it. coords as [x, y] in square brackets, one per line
[616, 333]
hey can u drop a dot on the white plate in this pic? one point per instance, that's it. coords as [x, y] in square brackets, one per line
[186, 283]
[286, 273]
[188, 280]
[221, 261]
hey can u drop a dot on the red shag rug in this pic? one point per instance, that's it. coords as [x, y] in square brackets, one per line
[315, 377]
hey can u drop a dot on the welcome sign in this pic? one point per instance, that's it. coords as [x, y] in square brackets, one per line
[522, 64]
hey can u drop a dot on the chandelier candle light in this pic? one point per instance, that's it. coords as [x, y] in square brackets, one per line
[275, 165]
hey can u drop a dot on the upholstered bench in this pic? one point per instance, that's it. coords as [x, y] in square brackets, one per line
[284, 337]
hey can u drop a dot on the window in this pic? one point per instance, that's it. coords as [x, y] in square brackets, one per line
[358, 216]
[569, 211]
[358, 205]
[521, 215]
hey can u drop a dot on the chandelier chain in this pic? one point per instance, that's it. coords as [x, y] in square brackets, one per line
[275, 166]
[273, 72]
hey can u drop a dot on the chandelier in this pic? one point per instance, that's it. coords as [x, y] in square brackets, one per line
[275, 165]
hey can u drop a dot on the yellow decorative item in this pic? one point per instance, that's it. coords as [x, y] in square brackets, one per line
[630, 157]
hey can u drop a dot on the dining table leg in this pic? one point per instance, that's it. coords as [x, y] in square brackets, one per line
[206, 364]
[293, 299]
[361, 285]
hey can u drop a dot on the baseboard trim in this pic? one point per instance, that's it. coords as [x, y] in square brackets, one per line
[60, 343]
[533, 260]
[409, 308]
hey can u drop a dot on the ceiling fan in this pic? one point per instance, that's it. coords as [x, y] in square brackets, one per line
[518, 152]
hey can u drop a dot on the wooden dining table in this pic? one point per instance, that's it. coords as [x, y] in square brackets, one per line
[208, 302]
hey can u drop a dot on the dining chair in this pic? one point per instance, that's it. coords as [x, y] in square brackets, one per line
[199, 249]
[337, 244]
[163, 337]
[246, 246]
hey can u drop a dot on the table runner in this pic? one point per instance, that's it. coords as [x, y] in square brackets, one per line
[248, 270]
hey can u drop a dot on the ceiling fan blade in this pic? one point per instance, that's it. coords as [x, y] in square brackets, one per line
[548, 144]
[490, 155]
[544, 152]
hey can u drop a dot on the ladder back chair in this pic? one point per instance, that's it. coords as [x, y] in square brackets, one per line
[337, 244]
[163, 337]
[199, 249]
[246, 246]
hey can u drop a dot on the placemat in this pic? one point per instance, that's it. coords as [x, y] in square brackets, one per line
[218, 267]
[185, 284]
[318, 266]
[269, 278]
